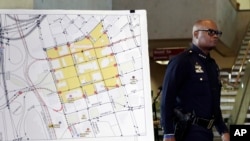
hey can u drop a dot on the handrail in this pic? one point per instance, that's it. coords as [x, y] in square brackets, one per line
[244, 59]
[242, 100]
[235, 4]
[235, 84]
[242, 64]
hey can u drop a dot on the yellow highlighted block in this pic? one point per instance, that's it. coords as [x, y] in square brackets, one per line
[87, 67]
[109, 72]
[62, 86]
[112, 83]
[73, 82]
[85, 78]
[103, 41]
[69, 72]
[67, 61]
[81, 45]
[88, 90]
[78, 57]
[89, 55]
[52, 53]
[63, 50]
[97, 32]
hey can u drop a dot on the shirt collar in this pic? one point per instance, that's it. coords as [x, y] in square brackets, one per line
[199, 52]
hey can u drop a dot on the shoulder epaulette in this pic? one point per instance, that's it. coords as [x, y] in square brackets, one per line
[189, 51]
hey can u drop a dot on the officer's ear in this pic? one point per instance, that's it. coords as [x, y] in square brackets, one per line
[196, 34]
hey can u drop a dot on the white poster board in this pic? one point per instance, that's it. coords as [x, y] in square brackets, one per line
[74, 75]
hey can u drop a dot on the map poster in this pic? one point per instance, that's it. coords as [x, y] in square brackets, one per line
[74, 75]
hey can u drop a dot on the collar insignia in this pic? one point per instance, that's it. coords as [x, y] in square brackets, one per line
[202, 56]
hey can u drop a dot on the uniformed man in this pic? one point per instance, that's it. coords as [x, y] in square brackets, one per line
[192, 85]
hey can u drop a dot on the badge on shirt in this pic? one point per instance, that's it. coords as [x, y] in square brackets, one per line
[198, 68]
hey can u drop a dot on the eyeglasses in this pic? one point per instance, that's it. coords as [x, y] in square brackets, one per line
[211, 32]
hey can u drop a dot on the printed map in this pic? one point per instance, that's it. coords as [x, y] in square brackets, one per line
[74, 75]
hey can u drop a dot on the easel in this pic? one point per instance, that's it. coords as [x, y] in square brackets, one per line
[155, 118]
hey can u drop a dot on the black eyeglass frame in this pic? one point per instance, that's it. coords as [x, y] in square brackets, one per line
[211, 32]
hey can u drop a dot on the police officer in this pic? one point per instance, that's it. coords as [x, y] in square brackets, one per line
[192, 84]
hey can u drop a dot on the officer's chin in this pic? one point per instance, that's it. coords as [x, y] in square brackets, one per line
[211, 48]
